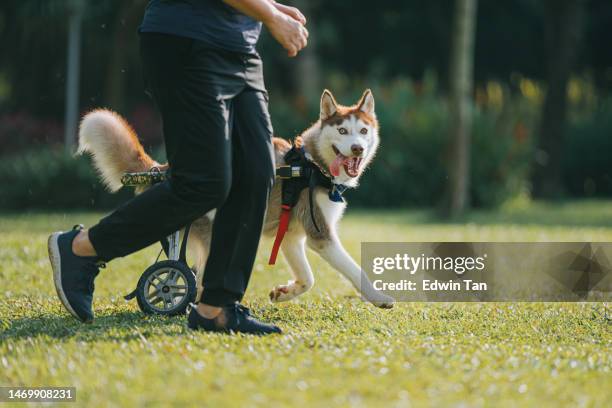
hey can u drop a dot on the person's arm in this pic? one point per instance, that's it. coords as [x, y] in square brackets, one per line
[293, 12]
[284, 27]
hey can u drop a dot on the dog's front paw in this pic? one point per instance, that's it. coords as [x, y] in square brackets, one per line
[281, 293]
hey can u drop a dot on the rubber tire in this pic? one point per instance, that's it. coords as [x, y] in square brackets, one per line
[180, 308]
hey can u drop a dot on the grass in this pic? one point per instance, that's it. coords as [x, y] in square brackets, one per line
[337, 351]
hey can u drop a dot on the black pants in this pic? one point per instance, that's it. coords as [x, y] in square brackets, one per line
[217, 133]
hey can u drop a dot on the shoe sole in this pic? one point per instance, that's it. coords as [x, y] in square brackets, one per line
[56, 265]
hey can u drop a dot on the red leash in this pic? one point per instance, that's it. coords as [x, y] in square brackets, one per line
[283, 224]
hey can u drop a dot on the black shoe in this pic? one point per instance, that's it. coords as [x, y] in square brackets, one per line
[238, 319]
[73, 275]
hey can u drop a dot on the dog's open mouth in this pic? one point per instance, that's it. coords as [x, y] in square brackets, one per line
[350, 164]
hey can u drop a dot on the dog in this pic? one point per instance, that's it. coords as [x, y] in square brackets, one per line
[342, 142]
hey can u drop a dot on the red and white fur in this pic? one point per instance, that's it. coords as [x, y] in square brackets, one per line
[344, 141]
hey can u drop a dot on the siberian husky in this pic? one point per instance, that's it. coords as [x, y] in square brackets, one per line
[342, 141]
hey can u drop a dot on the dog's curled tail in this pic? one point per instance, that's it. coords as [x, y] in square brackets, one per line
[113, 145]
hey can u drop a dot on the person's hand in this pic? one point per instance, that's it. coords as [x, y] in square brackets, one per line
[288, 31]
[291, 12]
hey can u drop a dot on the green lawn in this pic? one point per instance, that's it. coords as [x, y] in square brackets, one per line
[336, 350]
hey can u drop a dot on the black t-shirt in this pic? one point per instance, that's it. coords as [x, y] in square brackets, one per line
[210, 21]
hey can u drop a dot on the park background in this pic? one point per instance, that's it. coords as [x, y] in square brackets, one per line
[496, 119]
[534, 98]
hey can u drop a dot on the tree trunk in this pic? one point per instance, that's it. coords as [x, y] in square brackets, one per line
[563, 26]
[73, 65]
[461, 84]
[127, 17]
[307, 78]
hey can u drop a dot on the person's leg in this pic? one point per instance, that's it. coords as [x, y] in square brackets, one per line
[238, 223]
[196, 132]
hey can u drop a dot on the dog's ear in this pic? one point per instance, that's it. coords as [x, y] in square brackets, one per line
[328, 105]
[366, 103]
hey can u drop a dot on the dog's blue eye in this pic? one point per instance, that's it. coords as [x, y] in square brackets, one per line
[342, 131]
[364, 131]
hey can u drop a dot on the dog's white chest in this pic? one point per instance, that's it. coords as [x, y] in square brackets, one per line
[332, 211]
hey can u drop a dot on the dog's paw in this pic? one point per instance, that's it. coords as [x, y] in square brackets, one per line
[281, 293]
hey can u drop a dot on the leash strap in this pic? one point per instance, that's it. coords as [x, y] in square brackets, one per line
[283, 225]
[312, 183]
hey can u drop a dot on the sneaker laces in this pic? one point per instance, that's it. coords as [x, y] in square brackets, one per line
[92, 274]
[243, 309]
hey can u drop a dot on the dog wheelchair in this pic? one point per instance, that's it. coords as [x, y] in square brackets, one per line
[168, 286]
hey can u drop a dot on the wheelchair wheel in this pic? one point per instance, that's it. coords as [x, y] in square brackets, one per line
[166, 288]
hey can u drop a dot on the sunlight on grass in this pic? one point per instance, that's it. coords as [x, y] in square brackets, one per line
[337, 351]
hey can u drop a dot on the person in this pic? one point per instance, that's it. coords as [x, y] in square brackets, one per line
[201, 66]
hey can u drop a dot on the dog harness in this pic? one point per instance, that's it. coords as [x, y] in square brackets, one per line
[297, 174]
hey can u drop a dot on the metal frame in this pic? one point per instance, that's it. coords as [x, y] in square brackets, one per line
[174, 247]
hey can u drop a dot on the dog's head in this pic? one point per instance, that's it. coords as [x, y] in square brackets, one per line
[348, 137]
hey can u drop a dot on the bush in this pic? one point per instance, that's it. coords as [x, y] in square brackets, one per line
[587, 168]
[20, 130]
[410, 168]
[52, 179]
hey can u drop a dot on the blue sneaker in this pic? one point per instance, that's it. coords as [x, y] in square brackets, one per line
[237, 318]
[73, 275]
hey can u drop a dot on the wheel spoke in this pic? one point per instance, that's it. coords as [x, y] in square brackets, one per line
[154, 293]
[158, 279]
[156, 300]
[174, 275]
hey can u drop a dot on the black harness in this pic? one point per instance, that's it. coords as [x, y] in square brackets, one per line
[299, 173]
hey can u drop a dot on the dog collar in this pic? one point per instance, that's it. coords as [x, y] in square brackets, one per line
[335, 193]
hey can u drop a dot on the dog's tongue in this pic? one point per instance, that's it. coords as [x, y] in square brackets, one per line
[334, 167]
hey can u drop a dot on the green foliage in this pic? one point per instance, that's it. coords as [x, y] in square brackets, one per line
[51, 178]
[409, 170]
[411, 166]
[587, 168]
[336, 351]
[501, 154]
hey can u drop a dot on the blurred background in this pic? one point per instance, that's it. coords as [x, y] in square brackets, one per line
[481, 104]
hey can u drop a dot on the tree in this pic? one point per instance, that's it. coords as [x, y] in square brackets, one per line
[73, 70]
[460, 104]
[127, 17]
[563, 27]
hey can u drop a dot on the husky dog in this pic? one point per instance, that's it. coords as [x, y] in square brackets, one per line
[343, 141]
